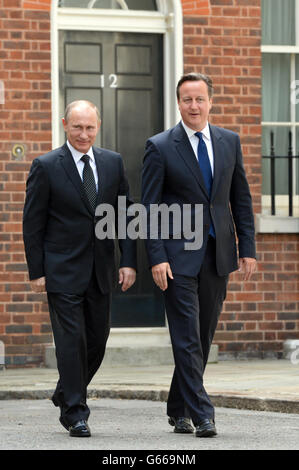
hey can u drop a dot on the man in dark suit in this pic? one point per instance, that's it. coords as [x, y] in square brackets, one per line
[197, 163]
[68, 261]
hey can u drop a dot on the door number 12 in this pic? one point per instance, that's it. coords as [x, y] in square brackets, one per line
[112, 80]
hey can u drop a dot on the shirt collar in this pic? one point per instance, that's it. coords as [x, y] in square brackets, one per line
[77, 155]
[190, 132]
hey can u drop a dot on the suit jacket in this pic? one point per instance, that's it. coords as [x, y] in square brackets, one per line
[171, 174]
[59, 224]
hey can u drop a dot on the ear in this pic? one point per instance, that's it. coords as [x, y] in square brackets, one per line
[64, 123]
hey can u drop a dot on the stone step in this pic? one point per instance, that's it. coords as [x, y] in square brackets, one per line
[135, 346]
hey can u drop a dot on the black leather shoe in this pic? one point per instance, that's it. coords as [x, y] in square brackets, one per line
[181, 425]
[205, 428]
[80, 429]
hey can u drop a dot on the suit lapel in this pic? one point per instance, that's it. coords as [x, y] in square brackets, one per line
[185, 150]
[219, 157]
[102, 177]
[69, 166]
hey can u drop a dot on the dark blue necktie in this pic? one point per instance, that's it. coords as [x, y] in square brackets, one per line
[204, 162]
[205, 167]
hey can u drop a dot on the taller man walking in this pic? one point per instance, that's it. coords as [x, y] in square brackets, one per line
[197, 163]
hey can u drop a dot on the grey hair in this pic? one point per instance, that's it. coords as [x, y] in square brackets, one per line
[73, 104]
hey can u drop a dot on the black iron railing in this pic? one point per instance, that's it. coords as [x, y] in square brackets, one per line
[273, 158]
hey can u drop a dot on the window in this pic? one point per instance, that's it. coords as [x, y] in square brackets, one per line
[107, 4]
[280, 62]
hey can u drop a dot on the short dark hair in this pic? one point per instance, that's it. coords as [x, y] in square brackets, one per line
[195, 77]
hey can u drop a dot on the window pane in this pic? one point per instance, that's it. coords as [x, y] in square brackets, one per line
[281, 147]
[141, 4]
[295, 91]
[89, 4]
[296, 152]
[131, 4]
[278, 22]
[276, 87]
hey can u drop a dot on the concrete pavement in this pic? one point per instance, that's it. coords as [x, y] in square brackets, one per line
[264, 385]
[137, 425]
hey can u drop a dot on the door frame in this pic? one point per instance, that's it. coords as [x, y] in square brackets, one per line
[168, 20]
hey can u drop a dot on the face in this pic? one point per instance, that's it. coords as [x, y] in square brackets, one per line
[194, 104]
[82, 127]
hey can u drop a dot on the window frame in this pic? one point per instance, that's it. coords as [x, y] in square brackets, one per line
[282, 200]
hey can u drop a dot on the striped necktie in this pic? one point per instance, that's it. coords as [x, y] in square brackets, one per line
[89, 182]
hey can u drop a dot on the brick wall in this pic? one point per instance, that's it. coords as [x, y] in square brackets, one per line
[224, 42]
[25, 118]
[222, 39]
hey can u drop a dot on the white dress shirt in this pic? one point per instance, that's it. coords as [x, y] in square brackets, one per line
[80, 164]
[207, 139]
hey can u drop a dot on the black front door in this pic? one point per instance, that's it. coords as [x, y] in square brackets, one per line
[122, 73]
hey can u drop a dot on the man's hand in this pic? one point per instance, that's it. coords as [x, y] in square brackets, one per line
[127, 277]
[248, 266]
[38, 285]
[160, 273]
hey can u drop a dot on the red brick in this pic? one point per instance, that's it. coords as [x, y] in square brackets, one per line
[12, 3]
[222, 38]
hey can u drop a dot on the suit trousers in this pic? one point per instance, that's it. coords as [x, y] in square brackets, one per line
[81, 325]
[193, 306]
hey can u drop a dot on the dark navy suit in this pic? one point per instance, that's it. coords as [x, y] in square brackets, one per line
[171, 174]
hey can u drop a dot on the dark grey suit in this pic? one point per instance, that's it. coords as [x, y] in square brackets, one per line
[60, 244]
